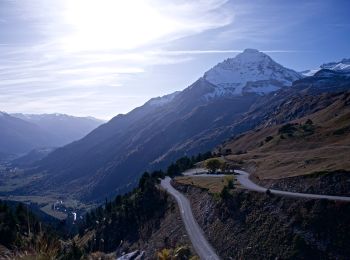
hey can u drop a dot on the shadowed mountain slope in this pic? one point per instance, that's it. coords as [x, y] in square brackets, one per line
[111, 158]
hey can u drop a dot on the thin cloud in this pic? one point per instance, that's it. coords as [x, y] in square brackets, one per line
[185, 52]
[65, 60]
[64, 64]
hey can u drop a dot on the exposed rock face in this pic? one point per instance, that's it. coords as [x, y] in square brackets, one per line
[249, 225]
[328, 183]
[136, 255]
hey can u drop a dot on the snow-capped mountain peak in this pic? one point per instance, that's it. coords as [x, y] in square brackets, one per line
[342, 66]
[250, 71]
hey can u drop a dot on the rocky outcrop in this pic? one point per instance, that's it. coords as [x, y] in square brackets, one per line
[327, 183]
[136, 255]
[247, 225]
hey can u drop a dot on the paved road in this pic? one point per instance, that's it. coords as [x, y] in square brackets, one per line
[195, 171]
[243, 178]
[195, 233]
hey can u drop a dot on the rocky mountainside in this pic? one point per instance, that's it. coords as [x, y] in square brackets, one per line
[111, 158]
[341, 66]
[249, 225]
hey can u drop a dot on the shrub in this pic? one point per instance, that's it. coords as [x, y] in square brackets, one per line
[308, 127]
[224, 166]
[287, 129]
[225, 193]
[182, 253]
[309, 122]
[230, 184]
[213, 165]
[268, 138]
[228, 151]
[164, 254]
[341, 131]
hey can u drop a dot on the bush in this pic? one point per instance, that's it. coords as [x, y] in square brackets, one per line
[230, 184]
[225, 193]
[287, 129]
[182, 253]
[212, 165]
[309, 122]
[268, 138]
[224, 167]
[228, 151]
[342, 131]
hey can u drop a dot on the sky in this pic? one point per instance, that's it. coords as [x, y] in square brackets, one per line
[105, 57]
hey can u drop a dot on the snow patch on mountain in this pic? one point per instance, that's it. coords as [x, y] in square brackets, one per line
[160, 101]
[235, 76]
[342, 66]
[309, 73]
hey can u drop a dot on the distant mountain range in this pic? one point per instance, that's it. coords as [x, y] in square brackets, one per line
[20, 133]
[342, 66]
[231, 98]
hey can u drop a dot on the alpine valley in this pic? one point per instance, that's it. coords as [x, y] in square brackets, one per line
[237, 95]
[289, 131]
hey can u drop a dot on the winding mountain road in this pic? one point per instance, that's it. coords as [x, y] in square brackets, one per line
[195, 233]
[244, 180]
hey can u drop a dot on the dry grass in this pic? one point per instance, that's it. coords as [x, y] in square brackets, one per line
[323, 150]
[212, 184]
[281, 164]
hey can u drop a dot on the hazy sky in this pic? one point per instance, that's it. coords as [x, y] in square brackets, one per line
[104, 57]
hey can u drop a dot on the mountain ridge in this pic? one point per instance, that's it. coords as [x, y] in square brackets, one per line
[338, 66]
[20, 133]
[110, 159]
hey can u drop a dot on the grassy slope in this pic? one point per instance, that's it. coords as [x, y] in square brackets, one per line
[211, 184]
[325, 148]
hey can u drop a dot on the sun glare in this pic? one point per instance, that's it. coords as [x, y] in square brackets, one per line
[111, 24]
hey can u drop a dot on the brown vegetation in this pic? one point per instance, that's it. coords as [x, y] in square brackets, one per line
[211, 184]
[318, 142]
